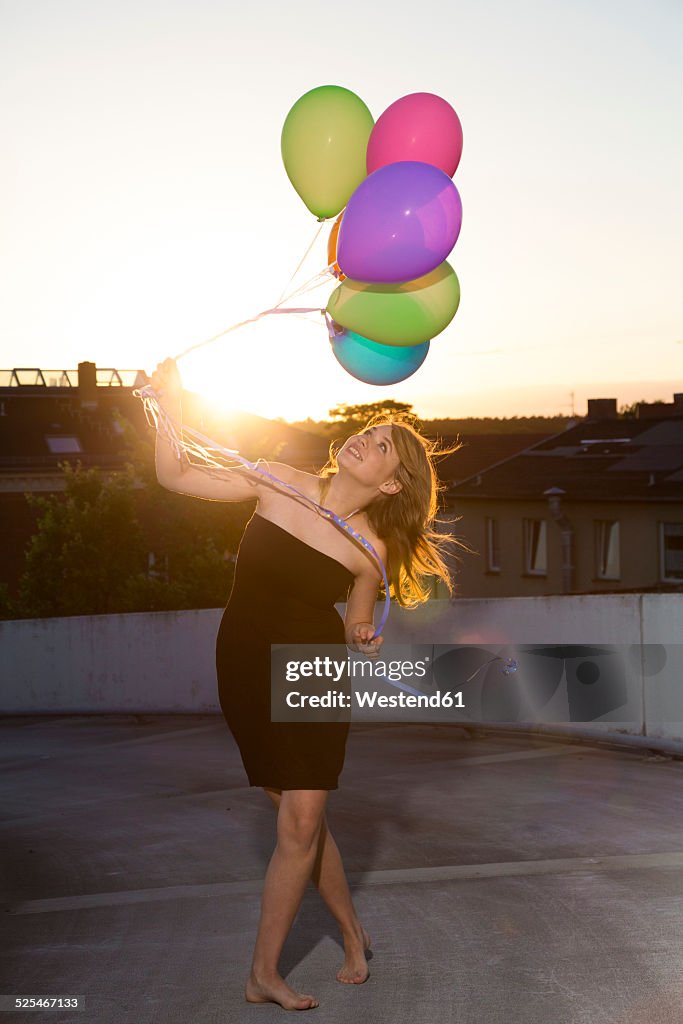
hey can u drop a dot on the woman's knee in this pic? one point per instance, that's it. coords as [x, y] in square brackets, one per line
[299, 824]
[300, 831]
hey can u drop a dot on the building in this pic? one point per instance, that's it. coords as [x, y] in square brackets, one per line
[49, 417]
[596, 508]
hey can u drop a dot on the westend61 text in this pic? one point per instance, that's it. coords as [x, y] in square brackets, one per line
[371, 699]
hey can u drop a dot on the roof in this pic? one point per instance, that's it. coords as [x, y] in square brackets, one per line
[43, 426]
[596, 460]
[480, 451]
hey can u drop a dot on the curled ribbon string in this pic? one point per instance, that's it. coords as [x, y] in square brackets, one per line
[250, 320]
[158, 417]
[508, 668]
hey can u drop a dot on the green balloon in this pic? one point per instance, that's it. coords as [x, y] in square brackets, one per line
[398, 314]
[324, 145]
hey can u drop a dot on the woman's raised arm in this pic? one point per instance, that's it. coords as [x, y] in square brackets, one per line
[239, 484]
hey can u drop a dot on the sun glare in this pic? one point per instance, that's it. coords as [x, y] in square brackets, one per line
[276, 367]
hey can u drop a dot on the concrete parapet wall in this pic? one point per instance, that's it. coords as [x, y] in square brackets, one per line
[164, 661]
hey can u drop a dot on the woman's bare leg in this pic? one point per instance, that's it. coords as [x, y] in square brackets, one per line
[299, 822]
[329, 877]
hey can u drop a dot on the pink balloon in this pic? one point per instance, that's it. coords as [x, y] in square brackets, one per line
[420, 126]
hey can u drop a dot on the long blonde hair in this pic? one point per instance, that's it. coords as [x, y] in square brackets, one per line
[416, 551]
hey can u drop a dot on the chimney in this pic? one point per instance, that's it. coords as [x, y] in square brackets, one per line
[602, 409]
[87, 385]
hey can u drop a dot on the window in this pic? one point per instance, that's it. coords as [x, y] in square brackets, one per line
[535, 547]
[607, 564]
[671, 551]
[492, 545]
[63, 445]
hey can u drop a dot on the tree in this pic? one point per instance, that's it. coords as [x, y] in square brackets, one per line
[111, 545]
[190, 542]
[354, 417]
[86, 547]
[122, 543]
[449, 427]
[629, 412]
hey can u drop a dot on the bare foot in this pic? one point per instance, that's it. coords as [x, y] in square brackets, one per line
[354, 970]
[276, 990]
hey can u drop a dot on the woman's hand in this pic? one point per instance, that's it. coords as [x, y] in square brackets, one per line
[360, 639]
[166, 381]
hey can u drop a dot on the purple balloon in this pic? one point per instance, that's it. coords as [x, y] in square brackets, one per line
[400, 223]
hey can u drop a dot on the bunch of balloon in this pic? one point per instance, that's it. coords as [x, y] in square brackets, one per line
[388, 248]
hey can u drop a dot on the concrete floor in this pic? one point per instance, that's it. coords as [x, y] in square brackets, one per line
[503, 878]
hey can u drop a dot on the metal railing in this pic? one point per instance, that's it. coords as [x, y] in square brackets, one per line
[34, 376]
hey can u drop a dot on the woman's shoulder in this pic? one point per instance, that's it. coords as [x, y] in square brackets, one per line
[305, 482]
[309, 485]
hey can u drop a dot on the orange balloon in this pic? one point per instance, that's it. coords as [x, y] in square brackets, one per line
[332, 249]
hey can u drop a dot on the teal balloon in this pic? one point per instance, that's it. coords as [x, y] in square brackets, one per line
[372, 363]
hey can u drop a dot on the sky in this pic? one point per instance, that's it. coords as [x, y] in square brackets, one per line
[144, 205]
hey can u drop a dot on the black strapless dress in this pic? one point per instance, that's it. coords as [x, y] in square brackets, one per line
[284, 591]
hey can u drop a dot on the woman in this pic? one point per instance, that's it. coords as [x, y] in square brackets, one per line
[293, 565]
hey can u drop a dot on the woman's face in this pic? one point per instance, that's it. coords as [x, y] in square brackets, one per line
[370, 456]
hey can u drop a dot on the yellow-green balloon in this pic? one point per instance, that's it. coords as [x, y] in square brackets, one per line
[398, 314]
[324, 145]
